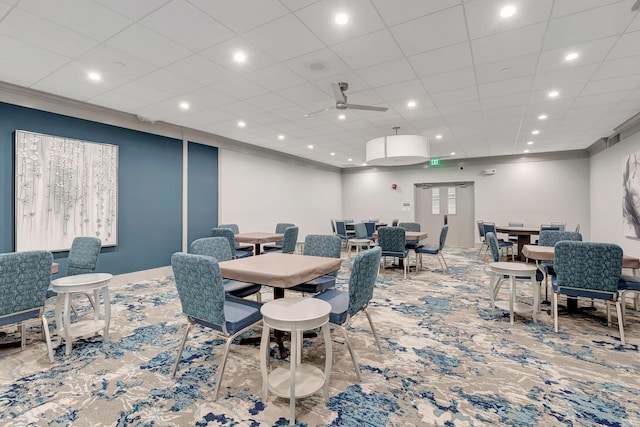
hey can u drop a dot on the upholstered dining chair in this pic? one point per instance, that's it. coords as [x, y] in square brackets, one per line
[392, 241]
[290, 241]
[205, 303]
[346, 304]
[230, 236]
[394, 223]
[371, 228]
[341, 231]
[490, 227]
[24, 279]
[483, 242]
[359, 240]
[436, 250]
[236, 230]
[218, 248]
[280, 229]
[589, 270]
[514, 223]
[320, 245]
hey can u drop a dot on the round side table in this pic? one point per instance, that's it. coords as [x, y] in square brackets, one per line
[65, 287]
[295, 315]
[513, 270]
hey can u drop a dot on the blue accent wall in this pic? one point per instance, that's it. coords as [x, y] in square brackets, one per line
[149, 187]
[203, 191]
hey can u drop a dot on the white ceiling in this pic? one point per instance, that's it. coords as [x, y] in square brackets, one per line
[479, 80]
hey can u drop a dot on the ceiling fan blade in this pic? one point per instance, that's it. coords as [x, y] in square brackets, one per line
[366, 107]
[318, 111]
[338, 94]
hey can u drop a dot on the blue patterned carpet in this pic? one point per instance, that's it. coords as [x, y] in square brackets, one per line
[448, 361]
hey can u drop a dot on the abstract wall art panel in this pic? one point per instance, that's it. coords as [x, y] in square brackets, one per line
[64, 188]
[631, 195]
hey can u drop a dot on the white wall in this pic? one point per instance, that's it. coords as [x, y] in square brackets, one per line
[606, 195]
[256, 193]
[535, 191]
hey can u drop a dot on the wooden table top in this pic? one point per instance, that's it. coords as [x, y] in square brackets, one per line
[258, 237]
[546, 253]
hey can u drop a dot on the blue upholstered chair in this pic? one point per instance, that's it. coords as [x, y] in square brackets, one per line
[514, 223]
[410, 226]
[289, 242]
[218, 248]
[483, 241]
[437, 251]
[360, 240]
[346, 304]
[393, 243]
[394, 223]
[320, 245]
[341, 231]
[230, 236]
[24, 279]
[550, 238]
[281, 227]
[371, 228]
[236, 230]
[205, 303]
[490, 227]
[627, 284]
[589, 270]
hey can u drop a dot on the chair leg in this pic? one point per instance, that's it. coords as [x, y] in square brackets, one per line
[624, 306]
[620, 321]
[555, 312]
[184, 340]
[47, 337]
[373, 330]
[222, 365]
[406, 267]
[353, 356]
[23, 335]
[258, 296]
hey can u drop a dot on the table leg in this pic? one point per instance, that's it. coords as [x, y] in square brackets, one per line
[257, 248]
[264, 359]
[523, 239]
[59, 313]
[106, 301]
[293, 362]
[326, 331]
[536, 297]
[512, 296]
[67, 322]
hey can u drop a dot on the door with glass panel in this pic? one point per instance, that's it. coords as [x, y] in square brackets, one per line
[451, 203]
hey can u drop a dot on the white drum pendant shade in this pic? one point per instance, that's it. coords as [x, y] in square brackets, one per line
[397, 150]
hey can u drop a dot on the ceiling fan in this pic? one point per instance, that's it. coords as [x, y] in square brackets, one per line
[341, 100]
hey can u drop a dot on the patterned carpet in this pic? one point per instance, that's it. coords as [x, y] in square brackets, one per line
[448, 361]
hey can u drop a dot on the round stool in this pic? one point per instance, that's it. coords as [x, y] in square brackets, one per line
[295, 315]
[513, 270]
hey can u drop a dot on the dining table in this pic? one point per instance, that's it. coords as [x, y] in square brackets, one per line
[523, 234]
[258, 238]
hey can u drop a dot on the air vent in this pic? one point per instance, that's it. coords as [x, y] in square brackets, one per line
[613, 140]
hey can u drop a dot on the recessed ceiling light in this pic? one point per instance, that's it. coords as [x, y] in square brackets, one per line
[542, 117]
[364, 164]
[529, 142]
[572, 56]
[239, 56]
[350, 159]
[310, 146]
[333, 154]
[280, 137]
[553, 94]
[342, 18]
[411, 104]
[526, 151]
[508, 11]
[241, 124]
[184, 105]
[535, 132]
[438, 136]
[453, 153]
[342, 117]
[94, 76]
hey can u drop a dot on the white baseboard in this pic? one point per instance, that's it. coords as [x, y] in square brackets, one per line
[124, 279]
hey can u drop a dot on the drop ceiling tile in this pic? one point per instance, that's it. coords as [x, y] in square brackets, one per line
[627, 45]
[447, 81]
[507, 69]
[505, 87]
[401, 91]
[21, 74]
[320, 19]
[600, 99]
[209, 96]
[170, 82]
[198, 119]
[240, 88]
[457, 96]
[117, 101]
[635, 24]
[462, 108]
[16, 52]
[242, 111]
[109, 59]
[388, 73]
[568, 7]
[4, 9]
[284, 38]
[564, 77]
[270, 101]
[615, 84]
[483, 16]
[510, 44]
[275, 77]
[242, 15]
[497, 102]
[133, 10]
[423, 104]
[392, 14]
[430, 32]
[148, 46]
[442, 60]
[618, 67]
[590, 53]
[305, 93]
[358, 54]
[222, 54]
[199, 69]
[143, 92]
[318, 64]
[44, 34]
[186, 25]
[589, 25]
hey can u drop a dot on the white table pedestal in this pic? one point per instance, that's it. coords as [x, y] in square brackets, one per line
[295, 315]
[513, 270]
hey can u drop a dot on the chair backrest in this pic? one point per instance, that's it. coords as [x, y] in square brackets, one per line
[549, 227]
[364, 273]
[489, 227]
[392, 239]
[233, 227]
[551, 237]
[322, 245]
[290, 240]
[588, 265]
[229, 235]
[341, 229]
[516, 223]
[410, 226]
[481, 229]
[24, 279]
[216, 247]
[348, 221]
[333, 226]
[394, 223]
[560, 225]
[83, 255]
[200, 288]
[361, 230]
[281, 227]
[443, 236]
[371, 228]
[578, 228]
[492, 242]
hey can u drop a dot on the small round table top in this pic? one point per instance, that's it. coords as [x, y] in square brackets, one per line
[295, 314]
[81, 282]
[512, 267]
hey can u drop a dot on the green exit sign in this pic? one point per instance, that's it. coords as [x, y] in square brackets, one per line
[435, 162]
